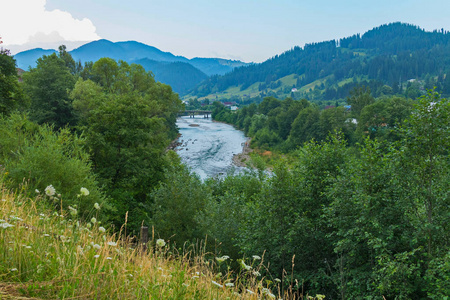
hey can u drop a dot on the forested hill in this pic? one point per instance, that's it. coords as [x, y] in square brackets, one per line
[384, 58]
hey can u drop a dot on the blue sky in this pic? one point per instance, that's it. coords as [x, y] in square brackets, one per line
[248, 30]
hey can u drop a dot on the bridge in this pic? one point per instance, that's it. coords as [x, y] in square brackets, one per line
[192, 113]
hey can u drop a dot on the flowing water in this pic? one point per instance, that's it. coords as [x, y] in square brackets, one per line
[207, 147]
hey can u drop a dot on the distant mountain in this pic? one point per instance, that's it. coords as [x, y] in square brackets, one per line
[28, 58]
[177, 71]
[215, 66]
[127, 51]
[181, 76]
[389, 59]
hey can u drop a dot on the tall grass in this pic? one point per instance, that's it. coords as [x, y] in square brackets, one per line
[50, 254]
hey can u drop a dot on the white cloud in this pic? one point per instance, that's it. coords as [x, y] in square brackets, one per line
[28, 22]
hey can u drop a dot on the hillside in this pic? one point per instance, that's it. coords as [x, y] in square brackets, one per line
[49, 254]
[384, 58]
[28, 58]
[181, 76]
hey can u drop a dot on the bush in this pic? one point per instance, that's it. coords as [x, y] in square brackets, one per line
[35, 157]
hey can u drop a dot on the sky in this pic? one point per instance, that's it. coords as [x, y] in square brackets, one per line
[247, 30]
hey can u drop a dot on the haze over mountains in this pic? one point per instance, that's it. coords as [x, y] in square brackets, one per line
[386, 59]
[179, 72]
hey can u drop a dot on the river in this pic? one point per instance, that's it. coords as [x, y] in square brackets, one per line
[207, 147]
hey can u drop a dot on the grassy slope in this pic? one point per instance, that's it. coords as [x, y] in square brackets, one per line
[46, 254]
[286, 82]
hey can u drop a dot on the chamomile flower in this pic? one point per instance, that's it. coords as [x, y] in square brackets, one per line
[50, 190]
[160, 242]
[84, 191]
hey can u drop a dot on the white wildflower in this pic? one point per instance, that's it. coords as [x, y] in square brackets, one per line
[160, 242]
[108, 258]
[244, 266]
[256, 273]
[84, 191]
[13, 270]
[267, 292]
[112, 243]
[5, 225]
[96, 256]
[96, 206]
[96, 246]
[50, 190]
[256, 257]
[101, 229]
[277, 280]
[93, 220]
[40, 268]
[222, 259]
[37, 191]
[229, 284]
[250, 292]
[73, 211]
[217, 284]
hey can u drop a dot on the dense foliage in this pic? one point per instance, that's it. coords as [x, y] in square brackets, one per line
[11, 95]
[362, 222]
[285, 125]
[104, 127]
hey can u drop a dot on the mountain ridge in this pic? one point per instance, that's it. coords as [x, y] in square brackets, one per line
[129, 51]
[182, 77]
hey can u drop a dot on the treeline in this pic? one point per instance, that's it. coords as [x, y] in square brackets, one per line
[285, 125]
[363, 222]
[390, 55]
[104, 126]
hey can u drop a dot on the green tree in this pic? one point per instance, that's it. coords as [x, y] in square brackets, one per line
[48, 87]
[305, 127]
[11, 95]
[125, 118]
[178, 200]
[382, 117]
[359, 98]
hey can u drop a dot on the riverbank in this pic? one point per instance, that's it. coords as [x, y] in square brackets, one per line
[242, 159]
[175, 143]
